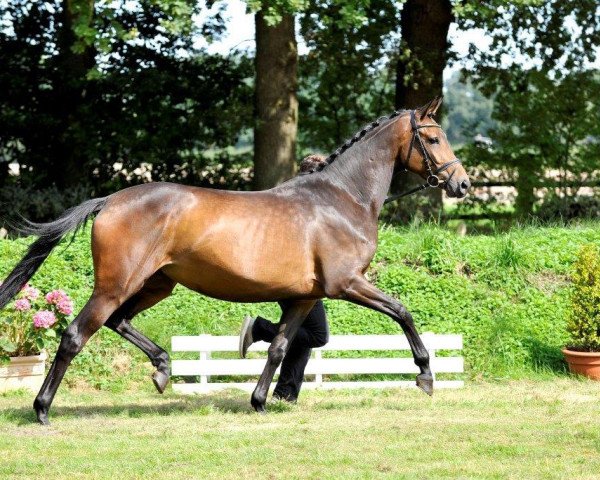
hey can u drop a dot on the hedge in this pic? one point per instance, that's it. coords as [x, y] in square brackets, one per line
[507, 294]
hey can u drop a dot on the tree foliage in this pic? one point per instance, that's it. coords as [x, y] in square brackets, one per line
[149, 95]
[546, 127]
[345, 78]
[86, 85]
[555, 36]
[537, 69]
[468, 111]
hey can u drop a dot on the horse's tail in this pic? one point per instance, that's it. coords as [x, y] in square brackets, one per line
[49, 235]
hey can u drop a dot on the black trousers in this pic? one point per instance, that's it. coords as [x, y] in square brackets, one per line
[314, 332]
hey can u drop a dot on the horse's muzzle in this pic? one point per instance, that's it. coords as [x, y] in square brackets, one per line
[457, 187]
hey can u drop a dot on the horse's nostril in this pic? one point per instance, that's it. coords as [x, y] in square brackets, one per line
[464, 185]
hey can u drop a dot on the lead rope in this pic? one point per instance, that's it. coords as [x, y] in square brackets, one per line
[391, 198]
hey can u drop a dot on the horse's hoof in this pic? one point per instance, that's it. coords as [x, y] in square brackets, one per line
[41, 412]
[425, 383]
[160, 380]
[44, 421]
[258, 405]
[42, 417]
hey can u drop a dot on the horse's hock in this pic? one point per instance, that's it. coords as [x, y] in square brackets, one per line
[320, 367]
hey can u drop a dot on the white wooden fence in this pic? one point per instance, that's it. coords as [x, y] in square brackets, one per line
[205, 366]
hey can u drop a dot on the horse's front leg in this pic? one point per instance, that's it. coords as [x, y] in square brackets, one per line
[363, 293]
[293, 314]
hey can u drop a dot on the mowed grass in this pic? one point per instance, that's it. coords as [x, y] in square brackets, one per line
[518, 429]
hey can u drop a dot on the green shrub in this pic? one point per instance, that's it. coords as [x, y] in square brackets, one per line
[584, 319]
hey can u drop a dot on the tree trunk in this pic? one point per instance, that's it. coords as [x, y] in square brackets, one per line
[525, 185]
[70, 91]
[276, 104]
[419, 78]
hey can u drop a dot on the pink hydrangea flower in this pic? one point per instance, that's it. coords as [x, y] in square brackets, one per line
[56, 296]
[29, 292]
[22, 305]
[65, 306]
[44, 319]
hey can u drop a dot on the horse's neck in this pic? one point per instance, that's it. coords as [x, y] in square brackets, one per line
[365, 171]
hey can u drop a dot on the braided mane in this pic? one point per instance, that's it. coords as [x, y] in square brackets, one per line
[359, 135]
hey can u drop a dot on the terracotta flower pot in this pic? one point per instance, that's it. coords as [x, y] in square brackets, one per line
[23, 372]
[583, 363]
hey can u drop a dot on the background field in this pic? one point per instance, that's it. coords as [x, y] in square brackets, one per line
[525, 429]
[505, 292]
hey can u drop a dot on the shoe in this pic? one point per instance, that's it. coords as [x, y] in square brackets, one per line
[246, 335]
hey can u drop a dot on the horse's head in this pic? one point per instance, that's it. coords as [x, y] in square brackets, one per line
[425, 151]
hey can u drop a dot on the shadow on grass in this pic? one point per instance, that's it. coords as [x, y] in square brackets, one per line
[545, 358]
[172, 405]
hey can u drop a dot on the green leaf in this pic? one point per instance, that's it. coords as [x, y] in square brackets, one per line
[50, 333]
[6, 345]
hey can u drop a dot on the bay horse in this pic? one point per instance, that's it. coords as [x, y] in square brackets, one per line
[311, 237]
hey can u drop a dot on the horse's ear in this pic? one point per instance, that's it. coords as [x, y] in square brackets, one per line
[430, 108]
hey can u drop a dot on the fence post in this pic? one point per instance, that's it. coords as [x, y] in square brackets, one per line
[318, 376]
[205, 355]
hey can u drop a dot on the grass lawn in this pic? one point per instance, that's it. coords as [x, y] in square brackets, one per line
[518, 429]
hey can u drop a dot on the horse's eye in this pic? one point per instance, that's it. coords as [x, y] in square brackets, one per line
[434, 140]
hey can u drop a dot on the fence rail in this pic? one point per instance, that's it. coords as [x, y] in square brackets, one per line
[318, 366]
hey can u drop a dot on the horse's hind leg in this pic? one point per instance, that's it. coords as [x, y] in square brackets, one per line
[292, 317]
[156, 288]
[90, 319]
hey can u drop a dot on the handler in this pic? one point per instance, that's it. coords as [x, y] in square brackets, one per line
[313, 333]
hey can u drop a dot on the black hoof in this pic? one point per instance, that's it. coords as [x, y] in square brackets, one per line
[160, 380]
[43, 420]
[41, 413]
[258, 405]
[425, 383]
[42, 417]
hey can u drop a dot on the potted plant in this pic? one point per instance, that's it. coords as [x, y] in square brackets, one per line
[27, 327]
[583, 353]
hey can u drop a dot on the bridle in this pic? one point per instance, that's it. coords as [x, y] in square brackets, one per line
[432, 179]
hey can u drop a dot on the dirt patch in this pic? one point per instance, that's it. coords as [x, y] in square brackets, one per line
[121, 363]
[547, 281]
